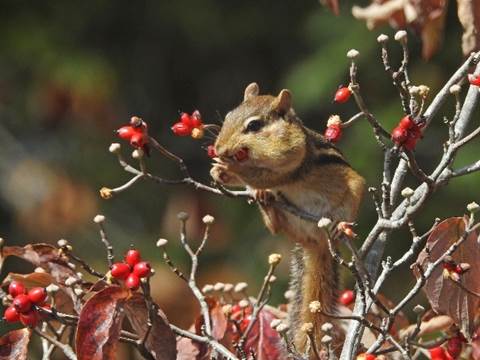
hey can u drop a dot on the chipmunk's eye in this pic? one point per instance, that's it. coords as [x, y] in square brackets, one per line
[254, 125]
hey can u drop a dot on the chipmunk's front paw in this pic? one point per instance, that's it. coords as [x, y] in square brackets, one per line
[221, 175]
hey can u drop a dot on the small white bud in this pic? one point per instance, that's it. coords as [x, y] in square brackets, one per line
[455, 89]
[289, 295]
[162, 242]
[39, 270]
[407, 192]
[219, 286]
[414, 90]
[241, 286]
[282, 328]
[326, 327]
[473, 207]
[62, 243]
[228, 287]
[137, 154]
[227, 309]
[352, 54]
[274, 259]
[207, 289]
[382, 38]
[401, 36]
[79, 275]
[423, 90]
[52, 289]
[70, 281]
[275, 323]
[315, 306]
[334, 120]
[326, 339]
[271, 279]
[418, 309]
[182, 216]
[78, 291]
[244, 303]
[71, 265]
[307, 327]
[324, 222]
[114, 148]
[208, 219]
[99, 219]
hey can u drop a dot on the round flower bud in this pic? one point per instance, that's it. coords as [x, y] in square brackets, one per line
[382, 38]
[271, 279]
[227, 309]
[162, 242]
[182, 216]
[228, 287]
[418, 309]
[137, 154]
[473, 207]
[326, 339]
[70, 281]
[324, 222]
[197, 133]
[326, 327]
[423, 90]
[414, 90]
[208, 219]
[289, 295]
[62, 243]
[352, 54]
[219, 286]
[244, 303]
[307, 327]
[455, 89]
[207, 289]
[401, 36]
[407, 192]
[114, 148]
[274, 259]
[99, 219]
[106, 193]
[52, 288]
[315, 306]
[241, 286]
[334, 120]
[78, 291]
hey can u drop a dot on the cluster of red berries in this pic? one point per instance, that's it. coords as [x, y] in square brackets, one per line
[474, 79]
[24, 304]
[346, 297]
[333, 132]
[189, 125]
[241, 317]
[407, 133]
[136, 133]
[342, 95]
[131, 270]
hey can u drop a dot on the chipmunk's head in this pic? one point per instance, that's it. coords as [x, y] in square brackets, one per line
[261, 141]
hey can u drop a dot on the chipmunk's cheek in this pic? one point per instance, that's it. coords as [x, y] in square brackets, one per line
[241, 155]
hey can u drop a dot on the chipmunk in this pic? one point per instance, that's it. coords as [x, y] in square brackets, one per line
[264, 145]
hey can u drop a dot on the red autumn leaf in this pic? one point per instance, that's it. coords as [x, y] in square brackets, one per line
[99, 324]
[161, 339]
[14, 345]
[45, 256]
[445, 296]
[264, 341]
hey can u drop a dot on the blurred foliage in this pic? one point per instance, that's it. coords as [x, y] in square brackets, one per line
[71, 72]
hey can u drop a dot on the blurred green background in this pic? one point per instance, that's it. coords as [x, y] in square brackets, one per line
[71, 72]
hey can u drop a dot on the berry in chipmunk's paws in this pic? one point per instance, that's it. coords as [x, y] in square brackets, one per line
[342, 95]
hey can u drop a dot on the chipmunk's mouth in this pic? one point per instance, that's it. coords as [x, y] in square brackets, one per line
[240, 156]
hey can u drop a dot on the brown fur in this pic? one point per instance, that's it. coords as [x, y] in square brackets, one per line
[298, 165]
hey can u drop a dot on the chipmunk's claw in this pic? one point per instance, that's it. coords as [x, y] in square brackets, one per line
[264, 197]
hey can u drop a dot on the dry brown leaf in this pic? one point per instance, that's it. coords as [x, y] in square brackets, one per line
[445, 296]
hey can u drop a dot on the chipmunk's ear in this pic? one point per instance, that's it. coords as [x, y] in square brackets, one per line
[251, 91]
[283, 102]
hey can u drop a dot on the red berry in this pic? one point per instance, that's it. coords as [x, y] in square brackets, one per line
[29, 319]
[413, 136]
[399, 135]
[120, 270]
[126, 132]
[37, 295]
[11, 314]
[16, 288]
[342, 95]
[180, 129]
[186, 119]
[437, 353]
[346, 297]
[196, 119]
[333, 133]
[138, 140]
[132, 282]
[241, 155]
[365, 356]
[22, 303]
[132, 257]
[211, 151]
[142, 269]
[474, 79]
[406, 123]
